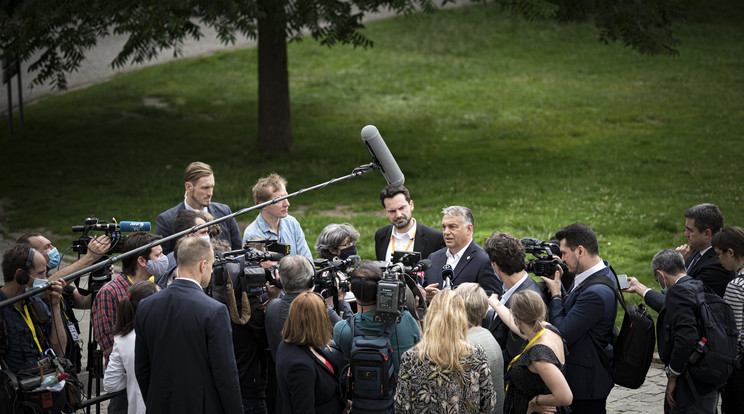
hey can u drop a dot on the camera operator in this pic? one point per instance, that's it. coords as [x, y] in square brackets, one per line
[184, 220]
[148, 265]
[31, 328]
[337, 241]
[71, 296]
[507, 257]
[364, 279]
[97, 246]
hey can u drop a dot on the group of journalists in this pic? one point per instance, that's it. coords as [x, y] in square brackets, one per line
[219, 321]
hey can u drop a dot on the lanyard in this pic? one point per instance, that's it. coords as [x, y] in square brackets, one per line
[27, 319]
[525, 348]
[150, 279]
[392, 240]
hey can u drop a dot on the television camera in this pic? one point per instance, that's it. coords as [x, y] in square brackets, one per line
[544, 263]
[391, 289]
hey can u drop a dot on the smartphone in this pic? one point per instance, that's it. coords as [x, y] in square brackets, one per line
[624, 284]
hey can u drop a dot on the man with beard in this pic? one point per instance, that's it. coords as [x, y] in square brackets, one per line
[405, 233]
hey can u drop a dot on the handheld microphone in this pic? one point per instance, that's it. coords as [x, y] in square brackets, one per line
[381, 156]
[421, 265]
[132, 226]
[447, 275]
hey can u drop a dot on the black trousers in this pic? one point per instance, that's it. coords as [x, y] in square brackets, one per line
[589, 406]
[732, 397]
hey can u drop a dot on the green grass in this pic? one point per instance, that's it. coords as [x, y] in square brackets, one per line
[531, 125]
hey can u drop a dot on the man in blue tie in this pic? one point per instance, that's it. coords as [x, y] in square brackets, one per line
[702, 221]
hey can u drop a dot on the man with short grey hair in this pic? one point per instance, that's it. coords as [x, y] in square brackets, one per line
[297, 275]
[461, 256]
[678, 330]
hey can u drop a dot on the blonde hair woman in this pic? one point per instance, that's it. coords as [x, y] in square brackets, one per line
[535, 378]
[444, 372]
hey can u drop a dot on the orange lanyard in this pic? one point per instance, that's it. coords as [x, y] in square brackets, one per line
[392, 240]
[27, 319]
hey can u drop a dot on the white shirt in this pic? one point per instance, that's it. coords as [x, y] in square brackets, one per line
[581, 277]
[401, 241]
[120, 372]
[188, 207]
[454, 259]
[505, 297]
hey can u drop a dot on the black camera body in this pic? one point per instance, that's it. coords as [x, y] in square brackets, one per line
[391, 294]
[545, 263]
[112, 230]
[326, 272]
[244, 269]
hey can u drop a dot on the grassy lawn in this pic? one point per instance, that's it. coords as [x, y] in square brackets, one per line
[531, 125]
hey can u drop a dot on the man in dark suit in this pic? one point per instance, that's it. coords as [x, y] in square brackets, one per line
[676, 330]
[199, 182]
[467, 261]
[405, 233]
[184, 359]
[507, 257]
[701, 223]
[585, 317]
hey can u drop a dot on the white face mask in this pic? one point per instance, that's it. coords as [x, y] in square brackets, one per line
[157, 268]
[206, 238]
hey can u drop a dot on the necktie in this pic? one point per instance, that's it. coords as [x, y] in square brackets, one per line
[695, 258]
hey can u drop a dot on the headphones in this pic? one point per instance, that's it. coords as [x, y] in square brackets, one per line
[25, 276]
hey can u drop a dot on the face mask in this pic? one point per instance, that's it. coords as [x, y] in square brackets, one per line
[206, 238]
[349, 251]
[37, 284]
[157, 268]
[663, 289]
[53, 258]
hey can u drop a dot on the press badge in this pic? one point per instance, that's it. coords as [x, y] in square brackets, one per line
[45, 363]
[73, 331]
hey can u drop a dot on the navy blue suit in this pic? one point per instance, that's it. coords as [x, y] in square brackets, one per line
[709, 271]
[586, 324]
[426, 241]
[230, 230]
[474, 266]
[184, 358]
[306, 385]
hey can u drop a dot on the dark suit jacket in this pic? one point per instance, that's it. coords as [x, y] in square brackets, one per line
[677, 332]
[511, 343]
[709, 271]
[230, 230]
[426, 241]
[586, 324]
[184, 359]
[306, 385]
[474, 266]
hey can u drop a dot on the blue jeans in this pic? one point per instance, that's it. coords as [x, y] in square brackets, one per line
[254, 406]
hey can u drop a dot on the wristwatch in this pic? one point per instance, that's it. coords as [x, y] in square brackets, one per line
[669, 373]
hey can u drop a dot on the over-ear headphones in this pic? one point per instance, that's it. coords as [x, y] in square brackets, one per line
[25, 275]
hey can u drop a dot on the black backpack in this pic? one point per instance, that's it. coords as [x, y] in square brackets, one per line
[715, 361]
[372, 377]
[633, 347]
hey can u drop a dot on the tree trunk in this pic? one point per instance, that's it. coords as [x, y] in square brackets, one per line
[274, 124]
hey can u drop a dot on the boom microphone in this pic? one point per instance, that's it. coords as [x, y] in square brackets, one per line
[381, 156]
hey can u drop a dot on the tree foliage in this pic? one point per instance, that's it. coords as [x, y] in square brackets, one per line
[55, 35]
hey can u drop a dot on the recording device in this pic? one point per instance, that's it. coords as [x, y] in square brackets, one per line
[544, 263]
[243, 268]
[623, 282]
[113, 230]
[325, 275]
[381, 156]
[447, 276]
[101, 276]
[391, 289]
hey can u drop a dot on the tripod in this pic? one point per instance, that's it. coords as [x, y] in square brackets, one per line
[98, 278]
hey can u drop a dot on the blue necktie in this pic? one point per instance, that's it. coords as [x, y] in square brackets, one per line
[695, 258]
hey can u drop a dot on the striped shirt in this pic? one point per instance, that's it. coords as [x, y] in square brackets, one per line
[734, 296]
